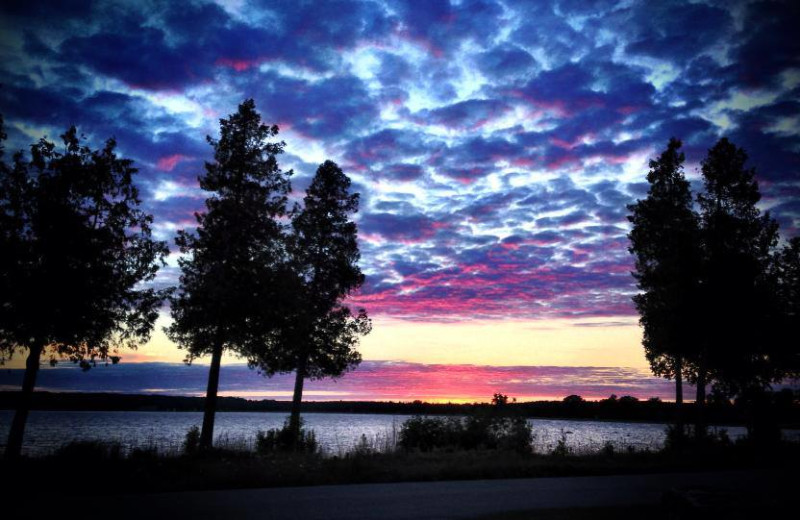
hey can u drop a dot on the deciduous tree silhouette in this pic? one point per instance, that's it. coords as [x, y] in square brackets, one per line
[320, 334]
[231, 278]
[666, 241]
[75, 249]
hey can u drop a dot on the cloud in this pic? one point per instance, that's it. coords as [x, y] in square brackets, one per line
[495, 144]
[676, 32]
[469, 114]
[372, 380]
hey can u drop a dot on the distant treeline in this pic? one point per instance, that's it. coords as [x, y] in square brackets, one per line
[784, 408]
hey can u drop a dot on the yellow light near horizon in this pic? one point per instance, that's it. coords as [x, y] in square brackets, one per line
[584, 342]
[599, 342]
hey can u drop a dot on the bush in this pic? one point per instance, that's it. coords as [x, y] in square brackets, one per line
[495, 429]
[429, 433]
[282, 440]
[363, 448]
[608, 449]
[676, 438]
[191, 444]
[83, 450]
[561, 449]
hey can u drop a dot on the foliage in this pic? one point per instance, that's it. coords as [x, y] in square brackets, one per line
[319, 334]
[675, 437]
[496, 428]
[677, 440]
[738, 242]
[718, 301]
[191, 443]
[561, 449]
[608, 449]
[429, 433]
[784, 286]
[573, 400]
[286, 440]
[363, 448]
[76, 247]
[325, 253]
[84, 451]
[231, 277]
[665, 241]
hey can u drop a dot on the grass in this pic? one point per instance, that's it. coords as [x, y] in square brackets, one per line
[584, 513]
[150, 471]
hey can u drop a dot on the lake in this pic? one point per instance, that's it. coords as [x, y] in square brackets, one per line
[336, 433]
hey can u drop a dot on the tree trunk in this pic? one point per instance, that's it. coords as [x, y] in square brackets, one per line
[207, 432]
[679, 394]
[297, 399]
[15, 435]
[700, 401]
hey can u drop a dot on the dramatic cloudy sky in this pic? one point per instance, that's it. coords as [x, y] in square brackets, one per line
[495, 144]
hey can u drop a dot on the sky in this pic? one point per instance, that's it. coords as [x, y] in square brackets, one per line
[495, 145]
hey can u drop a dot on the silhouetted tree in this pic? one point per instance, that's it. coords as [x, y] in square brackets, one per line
[573, 400]
[320, 335]
[785, 291]
[499, 400]
[738, 241]
[666, 241]
[75, 249]
[231, 280]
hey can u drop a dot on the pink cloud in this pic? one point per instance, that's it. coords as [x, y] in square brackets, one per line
[239, 65]
[169, 162]
[372, 380]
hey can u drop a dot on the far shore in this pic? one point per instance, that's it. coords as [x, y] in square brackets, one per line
[618, 410]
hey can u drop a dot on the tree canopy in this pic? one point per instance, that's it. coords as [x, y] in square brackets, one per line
[230, 287]
[739, 243]
[665, 239]
[320, 334]
[76, 249]
[718, 298]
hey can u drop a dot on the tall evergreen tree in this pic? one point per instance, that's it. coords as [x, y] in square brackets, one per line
[231, 276]
[785, 290]
[738, 242]
[320, 335]
[665, 240]
[76, 247]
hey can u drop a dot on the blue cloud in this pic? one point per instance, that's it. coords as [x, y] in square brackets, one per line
[495, 144]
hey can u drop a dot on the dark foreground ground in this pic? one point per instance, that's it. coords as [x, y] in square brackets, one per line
[729, 495]
[80, 471]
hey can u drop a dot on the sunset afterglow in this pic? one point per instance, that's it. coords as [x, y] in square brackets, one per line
[495, 147]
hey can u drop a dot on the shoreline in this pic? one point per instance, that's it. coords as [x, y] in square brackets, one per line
[619, 411]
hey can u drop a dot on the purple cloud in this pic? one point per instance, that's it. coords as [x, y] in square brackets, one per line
[495, 145]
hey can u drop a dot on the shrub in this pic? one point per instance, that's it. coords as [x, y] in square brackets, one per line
[191, 444]
[561, 449]
[363, 448]
[428, 433]
[495, 429]
[608, 449]
[83, 450]
[282, 440]
[518, 436]
[676, 438]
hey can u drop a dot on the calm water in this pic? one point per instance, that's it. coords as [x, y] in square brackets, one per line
[336, 433]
